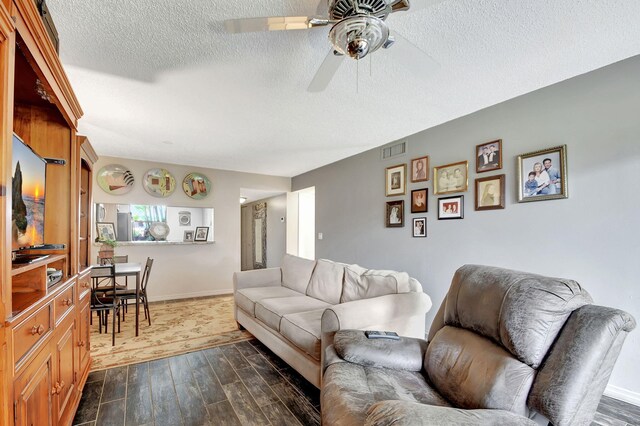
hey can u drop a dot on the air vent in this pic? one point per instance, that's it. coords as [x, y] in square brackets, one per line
[345, 8]
[394, 150]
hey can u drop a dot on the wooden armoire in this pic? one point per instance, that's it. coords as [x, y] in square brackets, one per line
[44, 327]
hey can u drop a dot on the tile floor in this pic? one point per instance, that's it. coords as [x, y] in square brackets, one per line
[238, 384]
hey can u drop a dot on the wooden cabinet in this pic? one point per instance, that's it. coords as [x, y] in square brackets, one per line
[44, 330]
[33, 390]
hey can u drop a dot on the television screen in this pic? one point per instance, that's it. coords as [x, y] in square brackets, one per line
[28, 185]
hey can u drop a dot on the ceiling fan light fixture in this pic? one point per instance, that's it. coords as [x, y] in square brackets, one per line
[357, 36]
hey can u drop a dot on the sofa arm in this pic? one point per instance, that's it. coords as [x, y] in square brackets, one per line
[405, 413]
[257, 278]
[404, 354]
[403, 313]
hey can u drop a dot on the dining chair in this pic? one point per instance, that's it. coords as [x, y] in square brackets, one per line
[124, 258]
[105, 299]
[130, 294]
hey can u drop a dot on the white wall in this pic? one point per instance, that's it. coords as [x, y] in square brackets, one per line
[181, 271]
[592, 237]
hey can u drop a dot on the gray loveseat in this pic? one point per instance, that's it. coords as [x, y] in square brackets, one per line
[505, 347]
[296, 309]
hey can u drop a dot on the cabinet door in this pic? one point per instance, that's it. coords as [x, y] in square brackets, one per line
[84, 333]
[65, 381]
[33, 391]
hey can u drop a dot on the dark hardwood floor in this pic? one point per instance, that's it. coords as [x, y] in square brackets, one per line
[239, 384]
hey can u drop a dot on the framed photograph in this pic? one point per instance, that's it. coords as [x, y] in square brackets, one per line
[420, 169]
[106, 231]
[394, 214]
[396, 180]
[542, 175]
[490, 193]
[489, 156]
[188, 236]
[451, 178]
[419, 201]
[419, 227]
[202, 233]
[451, 207]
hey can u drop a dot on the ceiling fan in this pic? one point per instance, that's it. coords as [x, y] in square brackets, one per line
[358, 28]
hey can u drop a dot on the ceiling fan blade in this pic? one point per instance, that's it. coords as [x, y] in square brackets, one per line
[412, 57]
[326, 72]
[273, 23]
[423, 4]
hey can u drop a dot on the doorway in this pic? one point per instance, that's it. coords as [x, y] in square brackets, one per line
[301, 223]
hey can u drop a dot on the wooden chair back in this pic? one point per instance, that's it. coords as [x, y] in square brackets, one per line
[146, 273]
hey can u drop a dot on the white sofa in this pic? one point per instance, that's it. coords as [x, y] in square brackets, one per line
[296, 309]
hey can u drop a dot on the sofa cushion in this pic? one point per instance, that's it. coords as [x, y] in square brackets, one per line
[326, 281]
[473, 372]
[296, 272]
[522, 312]
[246, 298]
[303, 330]
[271, 310]
[350, 389]
[361, 283]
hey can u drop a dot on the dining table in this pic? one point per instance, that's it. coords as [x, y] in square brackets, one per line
[123, 270]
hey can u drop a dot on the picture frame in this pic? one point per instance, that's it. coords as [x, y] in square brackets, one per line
[201, 234]
[489, 156]
[451, 178]
[189, 236]
[543, 175]
[394, 214]
[106, 231]
[419, 227]
[396, 180]
[451, 207]
[490, 192]
[420, 200]
[420, 169]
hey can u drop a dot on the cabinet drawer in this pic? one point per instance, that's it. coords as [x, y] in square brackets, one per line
[84, 285]
[29, 332]
[64, 302]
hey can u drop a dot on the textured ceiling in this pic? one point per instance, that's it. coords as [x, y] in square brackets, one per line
[160, 80]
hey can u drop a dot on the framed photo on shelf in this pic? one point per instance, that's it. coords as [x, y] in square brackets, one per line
[490, 192]
[542, 175]
[202, 233]
[106, 231]
[451, 178]
[419, 201]
[489, 156]
[420, 169]
[394, 216]
[396, 180]
[188, 236]
[451, 207]
[419, 227]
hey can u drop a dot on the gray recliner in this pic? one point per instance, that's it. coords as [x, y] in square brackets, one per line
[505, 347]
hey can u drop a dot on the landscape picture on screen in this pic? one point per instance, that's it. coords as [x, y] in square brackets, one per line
[28, 185]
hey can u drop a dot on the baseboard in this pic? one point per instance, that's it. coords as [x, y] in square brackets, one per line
[177, 296]
[623, 395]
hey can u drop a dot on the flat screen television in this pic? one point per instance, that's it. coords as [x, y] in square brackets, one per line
[27, 205]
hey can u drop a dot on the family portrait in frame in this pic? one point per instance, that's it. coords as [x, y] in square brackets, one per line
[489, 192]
[542, 174]
[419, 227]
[419, 201]
[396, 180]
[451, 207]
[489, 156]
[394, 216]
[451, 178]
[420, 169]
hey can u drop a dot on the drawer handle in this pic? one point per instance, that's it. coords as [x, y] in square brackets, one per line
[57, 388]
[86, 285]
[81, 343]
[37, 330]
[67, 302]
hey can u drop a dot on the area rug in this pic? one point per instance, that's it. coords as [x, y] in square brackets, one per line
[176, 327]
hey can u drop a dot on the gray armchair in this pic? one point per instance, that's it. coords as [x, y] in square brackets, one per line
[505, 347]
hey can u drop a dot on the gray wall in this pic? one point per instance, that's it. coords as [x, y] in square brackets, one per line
[592, 237]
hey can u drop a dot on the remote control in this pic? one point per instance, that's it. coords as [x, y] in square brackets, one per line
[373, 334]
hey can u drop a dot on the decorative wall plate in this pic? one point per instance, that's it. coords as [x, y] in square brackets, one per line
[115, 179]
[196, 185]
[159, 182]
[159, 230]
